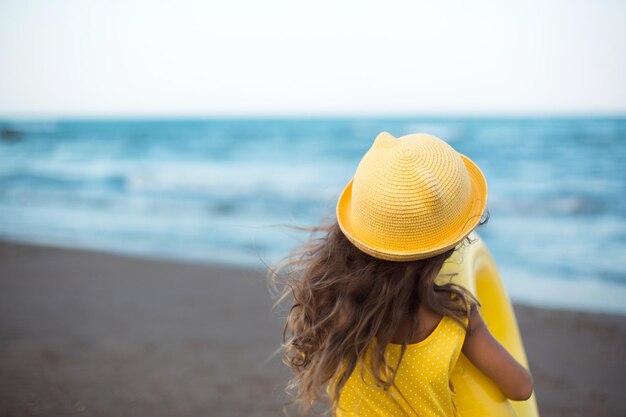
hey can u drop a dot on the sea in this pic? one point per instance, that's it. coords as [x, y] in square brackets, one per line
[229, 191]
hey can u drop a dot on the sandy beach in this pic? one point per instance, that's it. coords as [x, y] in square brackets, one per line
[93, 334]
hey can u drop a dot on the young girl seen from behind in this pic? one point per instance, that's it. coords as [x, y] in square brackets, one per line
[369, 327]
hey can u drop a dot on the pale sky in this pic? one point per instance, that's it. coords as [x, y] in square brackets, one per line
[272, 57]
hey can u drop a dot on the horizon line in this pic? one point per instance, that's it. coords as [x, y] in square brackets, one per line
[308, 116]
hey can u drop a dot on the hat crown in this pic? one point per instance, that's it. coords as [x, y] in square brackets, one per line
[407, 192]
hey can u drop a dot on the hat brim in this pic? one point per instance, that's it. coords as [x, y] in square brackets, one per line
[472, 215]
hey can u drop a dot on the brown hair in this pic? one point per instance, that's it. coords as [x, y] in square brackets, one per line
[342, 301]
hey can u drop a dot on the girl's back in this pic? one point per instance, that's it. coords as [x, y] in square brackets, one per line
[422, 382]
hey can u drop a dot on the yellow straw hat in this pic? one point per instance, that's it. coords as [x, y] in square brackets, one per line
[411, 198]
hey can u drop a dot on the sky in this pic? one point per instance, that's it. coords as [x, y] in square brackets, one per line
[316, 58]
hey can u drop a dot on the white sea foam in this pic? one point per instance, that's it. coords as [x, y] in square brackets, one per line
[552, 291]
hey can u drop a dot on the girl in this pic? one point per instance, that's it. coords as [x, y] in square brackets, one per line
[369, 324]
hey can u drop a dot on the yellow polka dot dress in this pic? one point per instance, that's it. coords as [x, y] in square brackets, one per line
[422, 385]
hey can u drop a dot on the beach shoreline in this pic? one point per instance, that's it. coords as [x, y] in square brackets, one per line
[91, 333]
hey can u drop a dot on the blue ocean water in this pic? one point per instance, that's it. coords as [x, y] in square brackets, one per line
[215, 191]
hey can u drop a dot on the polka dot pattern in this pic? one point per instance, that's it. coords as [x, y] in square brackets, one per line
[422, 386]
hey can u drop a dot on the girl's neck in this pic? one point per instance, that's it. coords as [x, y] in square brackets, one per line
[428, 320]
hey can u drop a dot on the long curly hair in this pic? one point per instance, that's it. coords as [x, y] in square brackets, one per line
[342, 300]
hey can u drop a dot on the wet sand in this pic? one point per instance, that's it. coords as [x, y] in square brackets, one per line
[93, 334]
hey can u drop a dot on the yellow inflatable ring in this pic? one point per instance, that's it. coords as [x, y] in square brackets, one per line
[476, 395]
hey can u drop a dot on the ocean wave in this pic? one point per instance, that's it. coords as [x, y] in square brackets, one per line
[181, 177]
[565, 205]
